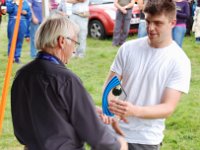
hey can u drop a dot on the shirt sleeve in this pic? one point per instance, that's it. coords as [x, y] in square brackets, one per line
[180, 76]
[118, 63]
[85, 120]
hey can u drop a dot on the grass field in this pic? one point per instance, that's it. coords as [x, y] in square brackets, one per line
[182, 128]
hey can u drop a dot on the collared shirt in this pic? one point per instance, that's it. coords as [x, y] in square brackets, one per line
[51, 110]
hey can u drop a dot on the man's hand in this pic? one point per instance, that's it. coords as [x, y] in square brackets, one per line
[123, 10]
[114, 121]
[24, 12]
[117, 129]
[121, 108]
[35, 20]
[105, 119]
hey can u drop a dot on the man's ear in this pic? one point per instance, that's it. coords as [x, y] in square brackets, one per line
[61, 42]
[173, 22]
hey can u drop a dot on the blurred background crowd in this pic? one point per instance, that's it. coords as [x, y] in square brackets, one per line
[98, 18]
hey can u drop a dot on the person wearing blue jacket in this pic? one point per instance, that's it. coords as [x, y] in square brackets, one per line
[12, 8]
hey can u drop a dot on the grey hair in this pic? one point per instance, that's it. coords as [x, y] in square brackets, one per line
[54, 26]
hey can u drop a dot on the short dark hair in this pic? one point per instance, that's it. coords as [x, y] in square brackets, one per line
[155, 7]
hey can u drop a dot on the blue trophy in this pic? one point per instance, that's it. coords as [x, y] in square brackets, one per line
[114, 85]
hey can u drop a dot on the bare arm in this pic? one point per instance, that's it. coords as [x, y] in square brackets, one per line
[167, 106]
[123, 143]
[140, 4]
[109, 77]
[116, 4]
[130, 5]
[34, 18]
[75, 1]
[114, 121]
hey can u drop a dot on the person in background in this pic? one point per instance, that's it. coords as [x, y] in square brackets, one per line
[65, 8]
[183, 13]
[122, 21]
[2, 9]
[142, 25]
[12, 9]
[80, 14]
[47, 111]
[190, 20]
[196, 25]
[154, 72]
[36, 9]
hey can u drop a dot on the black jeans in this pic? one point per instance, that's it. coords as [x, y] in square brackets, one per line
[133, 146]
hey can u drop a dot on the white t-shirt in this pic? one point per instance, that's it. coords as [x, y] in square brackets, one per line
[65, 7]
[80, 7]
[146, 72]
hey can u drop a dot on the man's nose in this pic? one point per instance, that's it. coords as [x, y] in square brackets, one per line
[151, 26]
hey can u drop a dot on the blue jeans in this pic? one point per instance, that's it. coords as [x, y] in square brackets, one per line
[142, 29]
[33, 29]
[178, 34]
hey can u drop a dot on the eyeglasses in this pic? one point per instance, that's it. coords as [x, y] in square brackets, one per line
[76, 43]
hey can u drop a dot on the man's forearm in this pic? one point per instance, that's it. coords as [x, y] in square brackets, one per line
[130, 5]
[75, 1]
[167, 106]
[153, 112]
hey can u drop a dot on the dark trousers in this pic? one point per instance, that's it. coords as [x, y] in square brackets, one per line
[122, 27]
[133, 146]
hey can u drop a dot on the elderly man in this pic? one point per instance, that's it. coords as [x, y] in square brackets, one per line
[47, 111]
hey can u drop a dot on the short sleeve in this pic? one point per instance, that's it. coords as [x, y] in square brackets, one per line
[118, 63]
[180, 76]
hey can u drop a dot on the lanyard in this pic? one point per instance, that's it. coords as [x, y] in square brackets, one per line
[48, 57]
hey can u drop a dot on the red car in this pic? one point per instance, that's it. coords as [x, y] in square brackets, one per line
[102, 18]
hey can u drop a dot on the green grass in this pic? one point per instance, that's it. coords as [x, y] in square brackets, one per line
[182, 128]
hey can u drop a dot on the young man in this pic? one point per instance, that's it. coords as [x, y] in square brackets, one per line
[51, 110]
[154, 72]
